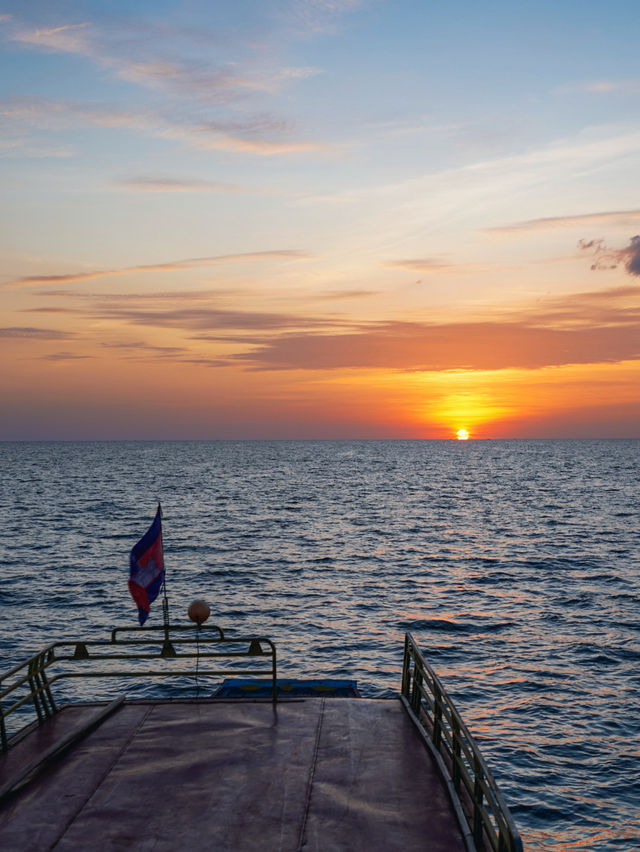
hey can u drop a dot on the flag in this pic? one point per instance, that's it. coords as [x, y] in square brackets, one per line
[146, 568]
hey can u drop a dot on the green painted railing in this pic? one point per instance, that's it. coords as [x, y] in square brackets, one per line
[488, 824]
[132, 652]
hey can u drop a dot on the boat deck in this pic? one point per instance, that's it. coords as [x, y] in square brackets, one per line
[312, 774]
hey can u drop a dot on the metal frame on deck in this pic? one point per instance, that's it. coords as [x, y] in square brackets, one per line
[473, 789]
[31, 682]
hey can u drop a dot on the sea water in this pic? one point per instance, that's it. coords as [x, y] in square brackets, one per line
[515, 565]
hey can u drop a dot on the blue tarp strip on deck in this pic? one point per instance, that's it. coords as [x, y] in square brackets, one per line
[291, 687]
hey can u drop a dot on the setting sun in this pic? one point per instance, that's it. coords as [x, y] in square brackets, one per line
[462, 435]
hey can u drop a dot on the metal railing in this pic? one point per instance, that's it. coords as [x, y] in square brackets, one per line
[30, 685]
[474, 792]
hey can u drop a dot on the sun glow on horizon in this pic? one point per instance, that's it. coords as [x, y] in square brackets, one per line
[371, 295]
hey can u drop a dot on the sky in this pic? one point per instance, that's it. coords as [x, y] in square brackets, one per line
[319, 219]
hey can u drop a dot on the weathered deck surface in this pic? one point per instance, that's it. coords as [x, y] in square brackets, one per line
[315, 774]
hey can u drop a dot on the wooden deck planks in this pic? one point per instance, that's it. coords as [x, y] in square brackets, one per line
[375, 785]
[315, 774]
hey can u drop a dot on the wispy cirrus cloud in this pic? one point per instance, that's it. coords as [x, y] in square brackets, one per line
[30, 333]
[429, 265]
[140, 347]
[618, 307]
[344, 295]
[418, 264]
[67, 38]
[318, 16]
[601, 87]
[425, 202]
[173, 265]
[157, 297]
[202, 98]
[161, 184]
[191, 311]
[608, 296]
[258, 134]
[141, 51]
[64, 356]
[615, 217]
[212, 136]
[28, 149]
[207, 319]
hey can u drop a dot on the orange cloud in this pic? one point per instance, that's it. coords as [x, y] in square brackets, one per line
[586, 328]
[448, 346]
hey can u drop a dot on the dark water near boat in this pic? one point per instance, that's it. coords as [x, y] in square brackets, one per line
[515, 564]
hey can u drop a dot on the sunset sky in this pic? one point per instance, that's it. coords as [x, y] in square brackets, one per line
[319, 219]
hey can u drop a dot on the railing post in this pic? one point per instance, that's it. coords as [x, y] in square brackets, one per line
[47, 694]
[35, 695]
[3, 731]
[274, 675]
[477, 800]
[418, 678]
[406, 668]
[502, 843]
[437, 714]
[455, 733]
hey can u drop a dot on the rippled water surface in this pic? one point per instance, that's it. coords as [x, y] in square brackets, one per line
[514, 564]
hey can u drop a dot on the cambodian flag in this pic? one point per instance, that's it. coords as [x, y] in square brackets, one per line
[146, 568]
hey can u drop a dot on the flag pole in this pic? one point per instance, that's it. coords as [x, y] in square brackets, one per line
[167, 648]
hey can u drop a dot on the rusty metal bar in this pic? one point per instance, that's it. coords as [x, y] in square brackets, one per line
[32, 681]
